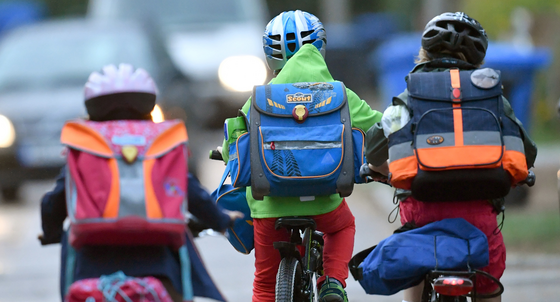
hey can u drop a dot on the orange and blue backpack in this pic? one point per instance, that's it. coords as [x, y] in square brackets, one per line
[126, 182]
[459, 144]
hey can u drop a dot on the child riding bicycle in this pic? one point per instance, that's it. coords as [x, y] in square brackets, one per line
[452, 43]
[124, 93]
[294, 43]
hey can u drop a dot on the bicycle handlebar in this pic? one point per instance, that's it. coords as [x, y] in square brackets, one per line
[530, 180]
[369, 174]
[215, 155]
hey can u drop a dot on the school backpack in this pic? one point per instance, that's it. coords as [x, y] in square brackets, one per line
[117, 287]
[459, 144]
[126, 182]
[299, 143]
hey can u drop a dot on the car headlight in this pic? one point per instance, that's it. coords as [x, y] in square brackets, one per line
[7, 132]
[241, 73]
[157, 115]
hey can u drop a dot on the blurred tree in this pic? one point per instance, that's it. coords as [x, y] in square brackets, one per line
[58, 8]
[495, 15]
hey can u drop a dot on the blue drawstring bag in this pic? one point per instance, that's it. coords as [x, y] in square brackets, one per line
[240, 236]
[403, 259]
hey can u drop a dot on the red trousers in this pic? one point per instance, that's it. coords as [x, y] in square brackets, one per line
[339, 229]
[479, 213]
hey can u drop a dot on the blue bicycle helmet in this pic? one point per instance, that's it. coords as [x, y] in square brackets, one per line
[286, 33]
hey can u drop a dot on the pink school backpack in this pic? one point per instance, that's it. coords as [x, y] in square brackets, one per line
[126, 182]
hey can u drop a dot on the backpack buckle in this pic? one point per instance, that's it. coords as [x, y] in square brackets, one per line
[300, 113]
[129, 153]
[456, 94]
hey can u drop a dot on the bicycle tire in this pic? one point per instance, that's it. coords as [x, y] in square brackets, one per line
[288, 281]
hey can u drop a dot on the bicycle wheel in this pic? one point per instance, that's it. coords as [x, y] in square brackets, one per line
[288, 281]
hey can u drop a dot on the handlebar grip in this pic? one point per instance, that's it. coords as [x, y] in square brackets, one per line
[366, 172]
[215, 155]
[530, 180]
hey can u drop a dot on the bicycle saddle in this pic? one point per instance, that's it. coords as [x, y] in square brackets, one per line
[295, 223]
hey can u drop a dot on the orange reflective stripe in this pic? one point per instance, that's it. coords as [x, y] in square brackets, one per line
[458, 124]
[170, 138]
[403, 171]
[457, 112]
[470, 156]
[80, 136]
[455, 78]
[516, 165]
[153, 210]
[112, 206]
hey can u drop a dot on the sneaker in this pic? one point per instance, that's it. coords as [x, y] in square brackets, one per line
[332, 291]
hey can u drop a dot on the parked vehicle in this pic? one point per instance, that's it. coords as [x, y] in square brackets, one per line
[216, 44]
[43, 69]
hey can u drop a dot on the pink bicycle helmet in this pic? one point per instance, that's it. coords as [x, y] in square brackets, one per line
[131, 92]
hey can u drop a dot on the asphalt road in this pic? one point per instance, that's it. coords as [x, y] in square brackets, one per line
[29, 272]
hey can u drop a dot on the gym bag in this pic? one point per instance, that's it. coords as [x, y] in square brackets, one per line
[403, 259]
[458, 144]
[240, 235]
[126, 182]
[300, 142]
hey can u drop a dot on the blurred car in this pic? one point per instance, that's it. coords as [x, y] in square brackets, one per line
[43, 69]
[216, 44]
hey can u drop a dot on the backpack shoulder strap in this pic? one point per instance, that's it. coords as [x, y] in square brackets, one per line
[259, 184]
[345, 181]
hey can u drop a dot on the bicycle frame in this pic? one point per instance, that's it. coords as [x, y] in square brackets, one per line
[304, 239]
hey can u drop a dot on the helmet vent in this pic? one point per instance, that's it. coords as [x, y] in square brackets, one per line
[275, 37]
[278, 56]
[308, 41]
[276, 46]
[304, 34]
[292, 47]
[290, 36]
[479, 47]
[431, 33]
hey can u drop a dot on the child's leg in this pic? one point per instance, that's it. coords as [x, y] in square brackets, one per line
[267, 258]
[339, 229]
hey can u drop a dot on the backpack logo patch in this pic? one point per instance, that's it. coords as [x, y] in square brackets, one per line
[172, 189]
[299, 98]
[434, 140]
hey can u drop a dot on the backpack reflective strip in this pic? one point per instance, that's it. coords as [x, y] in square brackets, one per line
[457, 112]
[301, 145]
[401, 150]
[483, 138]
[112, 207]
[153, 210]
[514, 143]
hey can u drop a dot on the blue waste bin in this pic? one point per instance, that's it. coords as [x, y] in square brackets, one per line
[394, 59]
[14, 13]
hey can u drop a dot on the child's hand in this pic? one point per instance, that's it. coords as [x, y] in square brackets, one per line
[383, 169]
[234, 215]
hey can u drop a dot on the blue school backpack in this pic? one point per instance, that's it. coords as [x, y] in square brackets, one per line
[300, 142]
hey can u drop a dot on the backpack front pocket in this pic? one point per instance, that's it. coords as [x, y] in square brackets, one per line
[443, 141]
[302, 153]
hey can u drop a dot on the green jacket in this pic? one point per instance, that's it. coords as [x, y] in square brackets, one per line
[376, 142]
[307, 65]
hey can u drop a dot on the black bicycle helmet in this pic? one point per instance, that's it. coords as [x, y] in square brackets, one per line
[456, 32]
